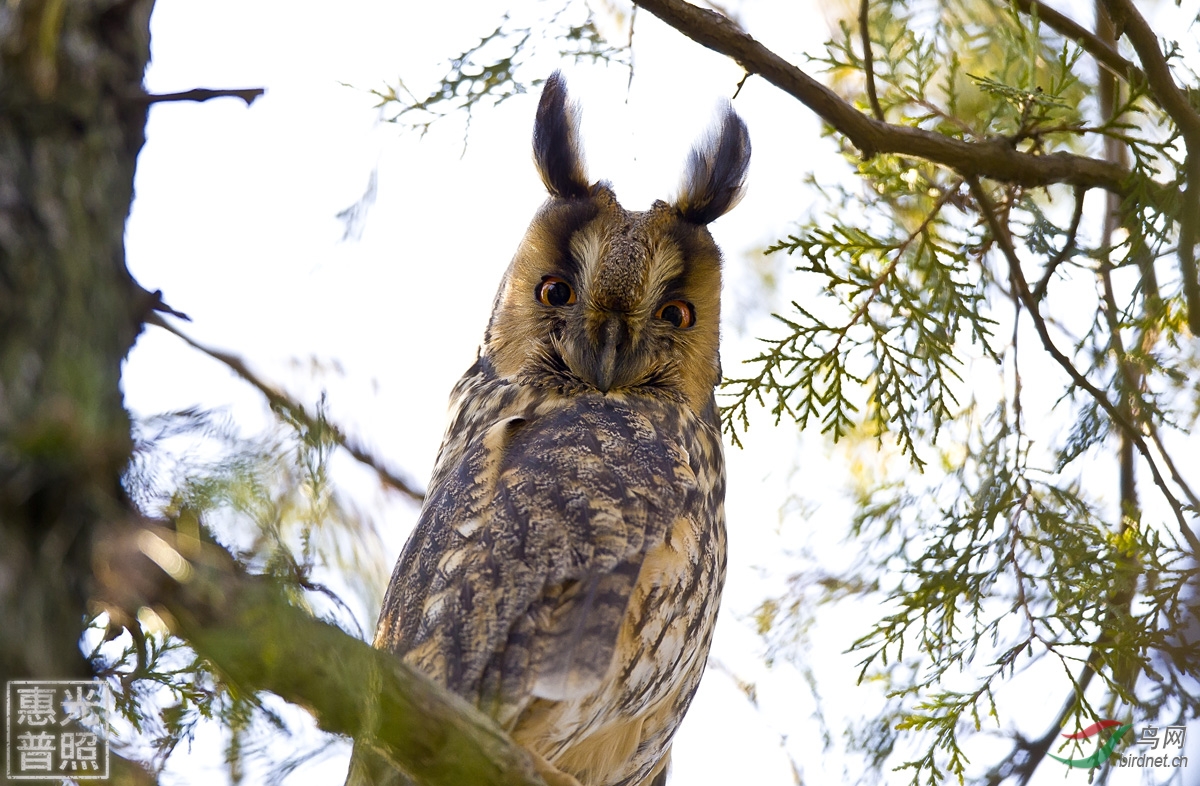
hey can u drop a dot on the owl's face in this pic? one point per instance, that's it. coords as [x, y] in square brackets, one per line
[602, 299]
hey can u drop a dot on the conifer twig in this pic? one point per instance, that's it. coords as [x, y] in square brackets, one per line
[281, 401]
[1039, 289]
[1004, 242]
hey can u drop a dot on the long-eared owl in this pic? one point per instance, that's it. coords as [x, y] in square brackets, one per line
[566, 569]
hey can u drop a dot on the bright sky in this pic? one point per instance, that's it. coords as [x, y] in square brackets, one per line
[235, 221]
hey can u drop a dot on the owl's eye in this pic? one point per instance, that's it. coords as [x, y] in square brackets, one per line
[678, 312]
[555, 292]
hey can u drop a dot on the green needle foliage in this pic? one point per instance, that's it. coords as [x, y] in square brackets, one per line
[486, 74]
[1005, 550]
[907, 299]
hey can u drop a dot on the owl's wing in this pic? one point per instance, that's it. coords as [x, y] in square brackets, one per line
[517, 578]
[578, 634]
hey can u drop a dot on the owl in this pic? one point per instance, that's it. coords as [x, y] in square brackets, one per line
[565, 572]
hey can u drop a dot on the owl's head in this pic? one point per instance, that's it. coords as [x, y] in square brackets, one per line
[599, 298]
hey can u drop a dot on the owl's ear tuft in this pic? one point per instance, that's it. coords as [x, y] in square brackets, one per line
[556, 149]
[715, 175]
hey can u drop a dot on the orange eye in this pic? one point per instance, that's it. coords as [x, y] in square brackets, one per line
[555, 292]
[678, 312]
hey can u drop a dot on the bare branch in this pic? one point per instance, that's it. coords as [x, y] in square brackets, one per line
[864, 31]
[296, 410]
[741, 83]
[1180, 481]
[629, 46]
[247, 94]
[992, 158]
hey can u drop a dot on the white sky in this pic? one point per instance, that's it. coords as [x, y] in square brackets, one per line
[234, 221]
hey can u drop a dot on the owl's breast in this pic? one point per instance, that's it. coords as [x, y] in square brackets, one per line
[566, 570]
[623, 727]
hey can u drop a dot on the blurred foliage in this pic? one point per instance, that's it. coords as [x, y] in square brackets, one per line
[270, 501]
[490, 72]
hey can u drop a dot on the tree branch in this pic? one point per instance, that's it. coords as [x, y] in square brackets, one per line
[245, 627]
[1091, 43]
[1158, 73]
[1189, 216]
[1039, 290]
[1004, 242]
[282, 402]
[247, 94]
[864, 31]
[1176, 104]
[993, 158]
[1035, 751]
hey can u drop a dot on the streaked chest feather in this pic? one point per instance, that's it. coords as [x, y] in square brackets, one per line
[666, 626]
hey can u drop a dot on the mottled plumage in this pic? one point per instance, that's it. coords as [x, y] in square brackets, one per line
[566, 569]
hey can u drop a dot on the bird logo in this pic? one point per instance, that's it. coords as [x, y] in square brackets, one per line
[1104, 751]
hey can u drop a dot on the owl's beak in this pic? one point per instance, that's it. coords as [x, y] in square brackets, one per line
[612, 336]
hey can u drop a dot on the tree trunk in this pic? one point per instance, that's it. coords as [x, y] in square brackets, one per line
[72, 120]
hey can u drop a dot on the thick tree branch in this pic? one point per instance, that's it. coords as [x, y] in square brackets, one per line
[281, 402]
[993, 158]
[245, 627]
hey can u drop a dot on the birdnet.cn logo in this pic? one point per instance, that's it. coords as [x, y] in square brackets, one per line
[1156, 747]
